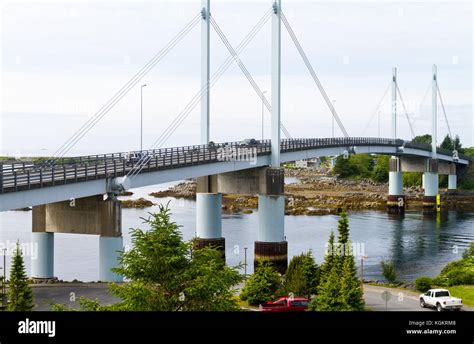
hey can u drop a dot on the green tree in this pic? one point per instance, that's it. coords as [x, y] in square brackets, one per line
[302, 276]
[165, 276]
[343, 168]
[423, 139]
[20, 295]
[351, 289]
[381, 169]
[329, 296]
[339, 288]
[343, 228]
[262, 285]
[330, 259]
[388, 271]
[412, 179]
[448, 144]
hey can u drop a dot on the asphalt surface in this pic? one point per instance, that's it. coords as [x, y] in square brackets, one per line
[68, 294]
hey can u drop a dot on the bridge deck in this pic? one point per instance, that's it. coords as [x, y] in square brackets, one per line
[19, 176]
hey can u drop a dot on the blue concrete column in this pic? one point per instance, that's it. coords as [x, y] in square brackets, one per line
[42, 264]
[209, 221]
[271, 244]
[452, 182]
[395, 198]
[109, 252]
[271, 218]
[431, 186]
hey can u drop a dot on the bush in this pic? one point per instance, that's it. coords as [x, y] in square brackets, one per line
[262, 285]
[302, 276]
[423, 283]
[412, 179]
[469, 253]
[388, 271]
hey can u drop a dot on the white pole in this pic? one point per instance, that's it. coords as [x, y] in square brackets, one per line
[276, 83]
[434, 101]
[394, 103]
[205, 70]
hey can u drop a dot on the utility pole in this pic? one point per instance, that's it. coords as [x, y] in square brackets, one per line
[263, 123]
[394, 103]
[141, 117]
[333, 102]
[434, 119]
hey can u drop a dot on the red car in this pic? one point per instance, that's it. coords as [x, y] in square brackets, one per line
[286, 304]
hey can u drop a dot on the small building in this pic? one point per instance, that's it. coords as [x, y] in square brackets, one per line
[308, 163]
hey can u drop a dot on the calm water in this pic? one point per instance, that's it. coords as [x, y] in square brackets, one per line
[416, 245]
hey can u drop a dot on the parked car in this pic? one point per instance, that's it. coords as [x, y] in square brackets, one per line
[286, 304]
[441, 299]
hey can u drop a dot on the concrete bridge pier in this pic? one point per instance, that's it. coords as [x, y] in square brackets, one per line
[452, 178]
[208, 215]
[271, 244]
[88, 215]
[431, 186]
[395, 198]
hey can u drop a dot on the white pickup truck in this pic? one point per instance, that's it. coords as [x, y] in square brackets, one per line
[441, 299]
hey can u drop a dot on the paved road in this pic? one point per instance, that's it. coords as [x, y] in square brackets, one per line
[65, 294]
[401, 300]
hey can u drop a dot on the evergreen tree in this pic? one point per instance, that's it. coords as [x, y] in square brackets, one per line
[302, 276]
[329, 296]
[20, 295]
[351, 289]
[343, 229]
[329, 259]
[262, 285]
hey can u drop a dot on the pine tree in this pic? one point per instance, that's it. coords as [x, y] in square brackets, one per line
[302, 276]
[329, 259]
[343, 229]
[351, 289]
[329, 296]
[20, 295]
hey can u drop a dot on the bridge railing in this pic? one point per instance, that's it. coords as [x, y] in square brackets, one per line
[27, 175]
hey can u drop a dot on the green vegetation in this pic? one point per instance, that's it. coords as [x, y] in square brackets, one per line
[464, 292]
[412, 179]
[423, 283]
[422, 139]
[262, 285]
[457, 277]
[20, 295]
[466, 180]
[302, 276]
[458, 272]
[388, 272]
[166, 274]
[363, 166]
[339, 288]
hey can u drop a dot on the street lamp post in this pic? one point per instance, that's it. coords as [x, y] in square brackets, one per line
[245, 261]
[362, 258]
[333, 102]
[263, 97]
[4, 291]
[378, 120]
[141, 117]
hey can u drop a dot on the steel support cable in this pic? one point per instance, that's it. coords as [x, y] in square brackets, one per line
[245, 71]
[91, 122]
[376, 109]
[406, 113]
[197, 98]
[453, 142]
[313, 74]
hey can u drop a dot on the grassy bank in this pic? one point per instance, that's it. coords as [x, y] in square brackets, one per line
[464, 292]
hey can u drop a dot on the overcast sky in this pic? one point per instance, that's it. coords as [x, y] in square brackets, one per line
[61, 61]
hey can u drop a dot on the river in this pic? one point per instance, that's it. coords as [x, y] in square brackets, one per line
[416, 245]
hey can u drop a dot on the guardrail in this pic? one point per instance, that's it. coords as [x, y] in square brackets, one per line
[19, 176]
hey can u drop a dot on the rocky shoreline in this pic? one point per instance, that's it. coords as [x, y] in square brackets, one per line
[317, 194]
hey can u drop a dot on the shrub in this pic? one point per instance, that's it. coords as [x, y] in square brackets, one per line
[262, 285]
[423, 283]
[388, 271]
